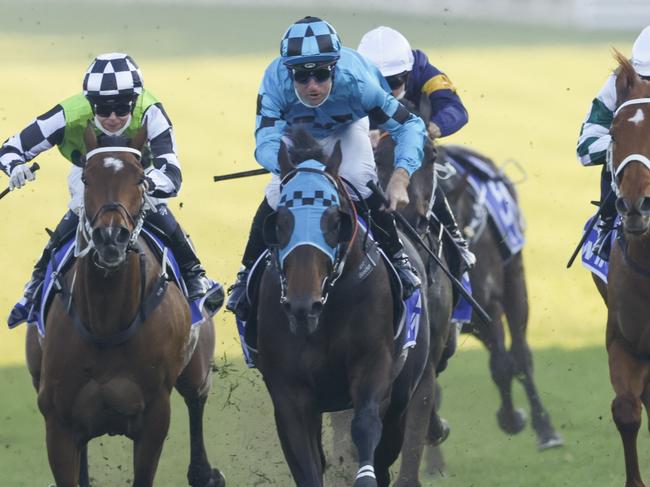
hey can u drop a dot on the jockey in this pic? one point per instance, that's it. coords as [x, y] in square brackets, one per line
[115, 101]
[594, 140]
[332, 91]
[410, 75]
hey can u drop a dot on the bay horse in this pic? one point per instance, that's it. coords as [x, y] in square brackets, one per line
[627, 293]
[326, 325]
[499, 286]
[118, 335]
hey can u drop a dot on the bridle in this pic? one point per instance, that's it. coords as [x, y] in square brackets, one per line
[342, 248]
[635, 157]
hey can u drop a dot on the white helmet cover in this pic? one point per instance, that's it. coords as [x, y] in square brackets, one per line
[388, 50]
[641, 53]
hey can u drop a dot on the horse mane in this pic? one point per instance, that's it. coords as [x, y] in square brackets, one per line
[305, 147]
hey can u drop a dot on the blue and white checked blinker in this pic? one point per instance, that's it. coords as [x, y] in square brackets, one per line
[308, 195]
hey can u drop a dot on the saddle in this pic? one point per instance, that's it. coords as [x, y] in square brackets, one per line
[407, 312]
[63, 258]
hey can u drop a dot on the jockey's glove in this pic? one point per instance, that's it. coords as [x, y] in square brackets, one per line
[396, 191]
[433, 130]
[19, 176]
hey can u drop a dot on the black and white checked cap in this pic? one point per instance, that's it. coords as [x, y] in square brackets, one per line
[113, 73]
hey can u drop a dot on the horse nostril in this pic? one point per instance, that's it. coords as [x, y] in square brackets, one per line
[123, 236]
[98, 236]
[317, 308]
[622, 206]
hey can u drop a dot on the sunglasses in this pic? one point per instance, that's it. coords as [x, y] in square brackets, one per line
[319, 74]
[120, 109]
[397, 80]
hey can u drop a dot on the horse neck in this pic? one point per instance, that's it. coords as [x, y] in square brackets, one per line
[107, 302]
[638, 249]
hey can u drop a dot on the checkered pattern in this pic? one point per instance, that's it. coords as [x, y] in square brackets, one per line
[594, 135]
[112, 74]
[41, 134]
[318, 199]
[310, 40]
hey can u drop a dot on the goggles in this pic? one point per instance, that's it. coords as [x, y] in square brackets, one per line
[120, 109]
[320, 74]
[397, 80]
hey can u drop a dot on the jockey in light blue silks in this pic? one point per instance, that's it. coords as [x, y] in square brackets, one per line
[115, 103]
[411, 76]
[332, 92]
[595, 140]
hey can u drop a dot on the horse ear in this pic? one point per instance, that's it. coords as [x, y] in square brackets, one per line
[335, 159]
[284, 160]
[139, 140]
[626, 77]
[90, 139]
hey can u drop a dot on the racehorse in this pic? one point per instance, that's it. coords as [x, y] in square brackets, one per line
[118, 336]
[627, 292]
[499, 286]
[326, 324]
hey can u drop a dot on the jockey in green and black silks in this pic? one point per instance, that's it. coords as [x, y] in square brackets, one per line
[594, 140]
[115, 102]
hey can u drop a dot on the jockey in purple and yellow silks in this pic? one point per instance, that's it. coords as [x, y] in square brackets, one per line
[411, 76]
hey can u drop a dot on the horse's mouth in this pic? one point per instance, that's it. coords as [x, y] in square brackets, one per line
[110, 257]
[636, 226]
[303, 326]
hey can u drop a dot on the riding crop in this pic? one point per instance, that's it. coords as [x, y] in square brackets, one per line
[34, 167]
[414, 234]
[587, 231]
[242, 174]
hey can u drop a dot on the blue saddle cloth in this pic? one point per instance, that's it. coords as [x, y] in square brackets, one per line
[64, 257]
[591, 260]
[462, 313]
[408, 312]
[489, 187]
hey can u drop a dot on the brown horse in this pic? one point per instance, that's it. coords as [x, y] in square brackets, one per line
[118, 336]
[627, 293]
[326, 337]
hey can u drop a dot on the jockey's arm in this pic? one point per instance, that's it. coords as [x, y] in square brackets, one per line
[448, 114]
[269, 125]
[41, 134]
[407, 130]
[164, 175]
[594, 139]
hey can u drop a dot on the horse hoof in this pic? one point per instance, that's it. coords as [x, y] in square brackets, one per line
[512, 422]
[438, 435]
[216, 479]
[553, 441]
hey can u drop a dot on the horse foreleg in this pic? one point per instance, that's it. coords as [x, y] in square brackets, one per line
[629, 378]
[84, 480]
[299, 424]
[63, 453]
[419, 411]
[194, 385]
[148, 444]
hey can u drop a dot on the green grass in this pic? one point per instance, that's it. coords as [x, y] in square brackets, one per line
[527, 90]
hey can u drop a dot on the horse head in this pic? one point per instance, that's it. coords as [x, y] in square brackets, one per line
[629, 156]
[311, 230]
[114, 196]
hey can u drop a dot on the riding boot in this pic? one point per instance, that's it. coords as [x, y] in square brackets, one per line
[442, 211]
[31, 293]
[255, 246]
[385, 232]
[603, 246]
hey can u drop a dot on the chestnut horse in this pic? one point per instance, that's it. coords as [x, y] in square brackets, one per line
[118, 336]
[627, 293]
[326, 325]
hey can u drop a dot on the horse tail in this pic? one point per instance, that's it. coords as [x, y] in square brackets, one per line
[123, 396]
